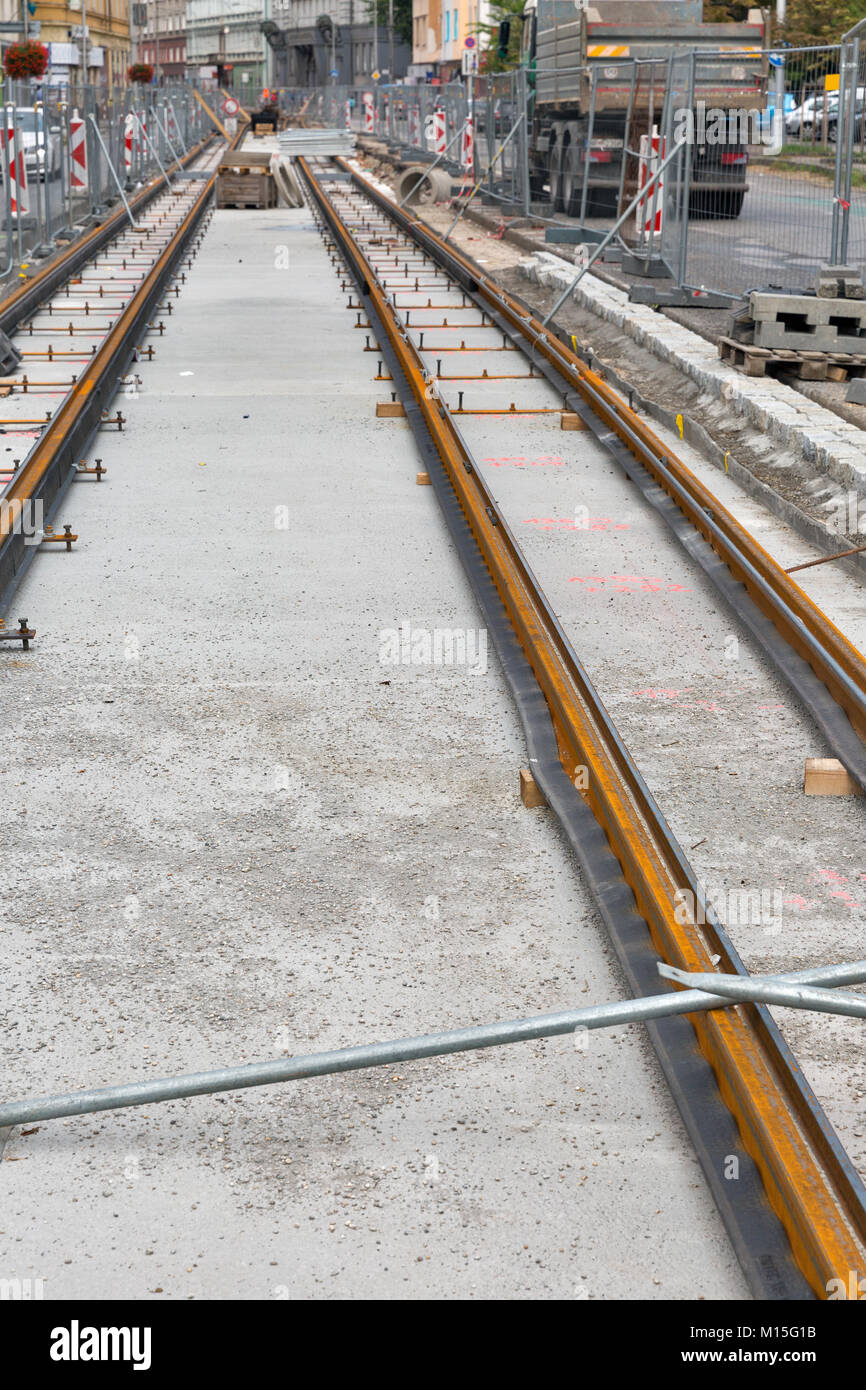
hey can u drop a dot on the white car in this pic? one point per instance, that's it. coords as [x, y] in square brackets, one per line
[810, 115]
[42, 152]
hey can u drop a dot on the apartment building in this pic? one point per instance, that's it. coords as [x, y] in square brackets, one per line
[439, 32]
[311, 40]
[84, 38]
[224, 40]
[162, 38]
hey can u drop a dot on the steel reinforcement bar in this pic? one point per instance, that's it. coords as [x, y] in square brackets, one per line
[807, 1178]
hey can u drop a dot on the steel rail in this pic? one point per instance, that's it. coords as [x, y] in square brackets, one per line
[805, 628]
[51, 463]
[808, 1180]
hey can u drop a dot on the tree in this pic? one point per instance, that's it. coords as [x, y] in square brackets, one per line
[811, 22]
[808, 22]
[402, 17]
[491, 59]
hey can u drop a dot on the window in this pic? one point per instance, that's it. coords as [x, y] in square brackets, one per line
[447, 26]
[455, 26]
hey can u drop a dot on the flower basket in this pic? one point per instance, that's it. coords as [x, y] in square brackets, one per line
[140, 72]
[26, 59]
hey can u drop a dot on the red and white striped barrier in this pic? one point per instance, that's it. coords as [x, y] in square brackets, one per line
[414, 127]
[348, 115]
[77, 152]
[369, 113]
[19, 196]
[128, 126]
[439, 142]
[467, 146]
[651, 153]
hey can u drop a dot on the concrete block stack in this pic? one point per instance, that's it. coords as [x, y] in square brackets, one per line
[816, 334]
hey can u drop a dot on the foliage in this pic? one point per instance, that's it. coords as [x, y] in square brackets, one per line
[808, 22]
[489, 56]
[402, 21]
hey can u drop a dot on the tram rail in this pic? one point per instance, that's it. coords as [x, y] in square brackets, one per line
[629, 854]
[94, 337]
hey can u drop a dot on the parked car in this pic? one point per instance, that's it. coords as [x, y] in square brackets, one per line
[859, 123]
[808, 118]
[42, 152]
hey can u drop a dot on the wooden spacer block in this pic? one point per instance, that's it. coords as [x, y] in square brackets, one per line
[572, 421]
[389, 410]
[422, 479]
[828, 777]
[530, 792]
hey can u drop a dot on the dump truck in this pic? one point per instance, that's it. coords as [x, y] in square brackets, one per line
[592, 100]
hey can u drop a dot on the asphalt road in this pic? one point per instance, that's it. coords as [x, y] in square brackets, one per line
[782, 236]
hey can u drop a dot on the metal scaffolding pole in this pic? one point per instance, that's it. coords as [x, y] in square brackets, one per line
[382, 1054]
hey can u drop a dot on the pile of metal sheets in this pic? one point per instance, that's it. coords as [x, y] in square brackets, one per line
[316, 142]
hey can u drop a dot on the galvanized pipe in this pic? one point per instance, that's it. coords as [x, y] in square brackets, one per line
[743, 989]
[409, 1049]
[113, 171]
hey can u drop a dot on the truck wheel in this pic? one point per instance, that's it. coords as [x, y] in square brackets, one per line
[571, 185]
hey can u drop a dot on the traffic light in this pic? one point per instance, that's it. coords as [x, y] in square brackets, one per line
[503, 38]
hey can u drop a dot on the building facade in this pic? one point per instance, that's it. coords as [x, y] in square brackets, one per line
[440, 29]
[224, 40]
[310, 40]
[161, 40]
[85, 39]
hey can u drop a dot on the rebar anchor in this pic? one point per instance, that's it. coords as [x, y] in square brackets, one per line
[23, 633]
[50, 537]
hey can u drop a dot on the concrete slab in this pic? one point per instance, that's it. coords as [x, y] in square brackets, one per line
[233, 831]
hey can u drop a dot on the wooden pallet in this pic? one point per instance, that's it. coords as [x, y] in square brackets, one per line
[808, 366]
[246, 188]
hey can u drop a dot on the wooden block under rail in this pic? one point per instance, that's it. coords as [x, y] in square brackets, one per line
[572, 421]
[389, 410]
[530, 792]
[828, 777]
[422, 479]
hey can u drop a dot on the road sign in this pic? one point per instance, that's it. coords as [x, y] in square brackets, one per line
[376, 76]
[776, 60]
[15, 28]
[335, 72]
[231, 106]
[469, 42]
[468, 62]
